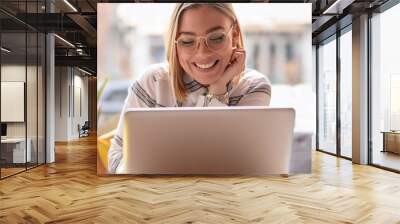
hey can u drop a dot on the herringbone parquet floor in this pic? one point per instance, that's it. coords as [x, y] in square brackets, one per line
[69, 191]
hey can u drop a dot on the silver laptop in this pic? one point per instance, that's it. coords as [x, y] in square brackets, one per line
[223, 140]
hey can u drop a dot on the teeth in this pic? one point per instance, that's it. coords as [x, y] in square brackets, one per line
[204, 66]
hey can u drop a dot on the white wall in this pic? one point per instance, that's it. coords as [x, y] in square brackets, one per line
[62, 81]
[33, 127]
[71, 94]
[16, 73]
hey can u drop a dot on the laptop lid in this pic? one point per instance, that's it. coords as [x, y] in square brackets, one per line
[223, 140]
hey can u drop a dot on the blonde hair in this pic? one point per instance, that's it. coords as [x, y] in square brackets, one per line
[176, 71]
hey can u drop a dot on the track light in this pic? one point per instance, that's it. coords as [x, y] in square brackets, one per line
[65, 41]
[5, 50]
[70, 5]
[84, 71]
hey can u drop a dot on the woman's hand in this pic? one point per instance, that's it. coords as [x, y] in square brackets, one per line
[233, 70]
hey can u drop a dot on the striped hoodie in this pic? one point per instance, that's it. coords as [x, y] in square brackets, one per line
[153, 89]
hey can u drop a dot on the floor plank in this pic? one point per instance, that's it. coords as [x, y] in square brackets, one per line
[69, 191]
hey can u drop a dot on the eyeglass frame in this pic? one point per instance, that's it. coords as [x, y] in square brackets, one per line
[205, 38]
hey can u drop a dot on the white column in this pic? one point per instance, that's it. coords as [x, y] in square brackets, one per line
[50, 99]
[360, 90]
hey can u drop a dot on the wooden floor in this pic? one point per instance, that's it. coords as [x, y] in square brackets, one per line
[5, 172]
[69, 191]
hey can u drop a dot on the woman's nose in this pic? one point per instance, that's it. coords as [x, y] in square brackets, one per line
[202, 47]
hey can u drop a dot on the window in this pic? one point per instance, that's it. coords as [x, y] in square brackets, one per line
[385, 88]
[346, 94]
[327, 96]
[22, 65]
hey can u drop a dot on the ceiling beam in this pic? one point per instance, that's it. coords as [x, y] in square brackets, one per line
[84, 24]
[83, 61]
[337, 6]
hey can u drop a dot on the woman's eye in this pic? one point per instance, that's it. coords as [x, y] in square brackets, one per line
[217, 38]
[186, 42]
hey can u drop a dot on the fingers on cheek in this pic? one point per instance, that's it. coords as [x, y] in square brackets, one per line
[232, 57]
[238, 55]
[241, 56]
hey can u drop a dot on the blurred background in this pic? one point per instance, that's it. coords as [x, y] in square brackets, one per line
[277, 41]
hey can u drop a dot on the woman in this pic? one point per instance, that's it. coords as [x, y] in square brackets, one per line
[206, 67]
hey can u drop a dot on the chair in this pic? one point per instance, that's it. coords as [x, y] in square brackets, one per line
[103, 145]
[84, 130]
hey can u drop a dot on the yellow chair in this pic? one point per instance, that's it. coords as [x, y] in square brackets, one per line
[103, 145]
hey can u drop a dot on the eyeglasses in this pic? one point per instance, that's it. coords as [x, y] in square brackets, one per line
[215, 41]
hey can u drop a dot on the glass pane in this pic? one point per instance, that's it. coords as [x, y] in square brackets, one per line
[386, 89]
[346, 94]
[327, 97]
[31, 97]
[41, 98]
[13, 85]
[22, 82]
[31, 86]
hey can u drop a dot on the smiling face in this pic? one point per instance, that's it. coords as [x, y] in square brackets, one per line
[204, 65]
